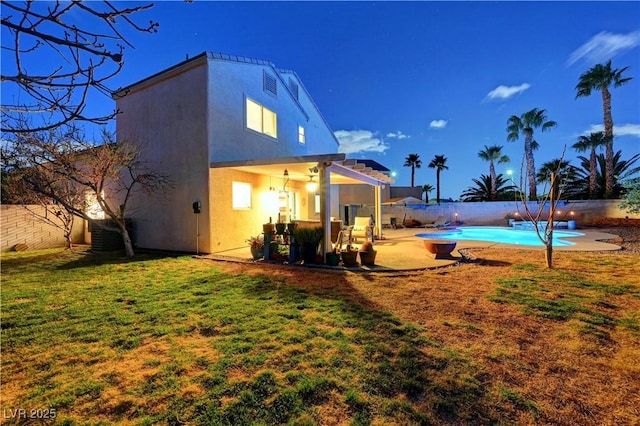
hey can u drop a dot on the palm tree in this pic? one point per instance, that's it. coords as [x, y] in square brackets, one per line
[426, 189]
[565, 176]
[413, 161]
[438, 163]
[482, 190]
[493, 154]
[591, 143]
[524, 125]
[600, 77]
[622, 170]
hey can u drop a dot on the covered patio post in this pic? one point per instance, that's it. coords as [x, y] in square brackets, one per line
[377, 211]
[325, 207]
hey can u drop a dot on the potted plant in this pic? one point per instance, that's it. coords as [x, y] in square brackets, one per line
[308, 239]
[333, 257]
[280, 227]
[349, 256]
[256, 244]
[367, 253]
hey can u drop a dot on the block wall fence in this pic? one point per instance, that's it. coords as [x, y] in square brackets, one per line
[19, 226]
[495, 212]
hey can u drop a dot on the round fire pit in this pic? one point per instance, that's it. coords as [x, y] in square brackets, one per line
[440, 249]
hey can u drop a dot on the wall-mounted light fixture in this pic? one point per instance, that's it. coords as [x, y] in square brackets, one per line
[311, 185]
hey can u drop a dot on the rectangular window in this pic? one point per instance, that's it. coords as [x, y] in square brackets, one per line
[241, 195]
[261, 119]
[270, 84]
[317, 203]
[301, 137]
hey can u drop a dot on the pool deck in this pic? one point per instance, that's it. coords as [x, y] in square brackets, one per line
[401, 250]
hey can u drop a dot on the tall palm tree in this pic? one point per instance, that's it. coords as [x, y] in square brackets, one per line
[493, 154]
[439, 163]
[413, 161]
[524, 125]
[427, 188]
[600, 77]
[591, 143]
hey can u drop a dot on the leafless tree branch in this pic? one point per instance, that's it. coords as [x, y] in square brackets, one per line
[88, 58]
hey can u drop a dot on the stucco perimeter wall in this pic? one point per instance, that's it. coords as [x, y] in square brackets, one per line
[494, 213]
[19, 226]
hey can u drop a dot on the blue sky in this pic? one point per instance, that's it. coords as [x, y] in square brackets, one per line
[395, 78]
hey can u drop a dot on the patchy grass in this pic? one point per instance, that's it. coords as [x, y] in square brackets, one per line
[102, 339]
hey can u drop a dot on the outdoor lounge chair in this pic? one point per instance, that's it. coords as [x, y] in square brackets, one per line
[438, 223]
[362, 228]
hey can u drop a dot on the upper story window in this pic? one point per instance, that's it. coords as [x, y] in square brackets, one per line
[301, 138]
[270, 84]
[261, 119]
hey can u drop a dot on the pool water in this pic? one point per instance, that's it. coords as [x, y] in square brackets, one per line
[500, 235]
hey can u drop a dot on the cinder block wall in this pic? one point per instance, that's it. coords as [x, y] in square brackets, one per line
[494, 213]
[21, 227]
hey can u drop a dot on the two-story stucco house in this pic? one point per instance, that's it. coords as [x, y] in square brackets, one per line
[240, 139]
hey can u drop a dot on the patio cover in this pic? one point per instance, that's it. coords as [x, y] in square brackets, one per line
[332, 169]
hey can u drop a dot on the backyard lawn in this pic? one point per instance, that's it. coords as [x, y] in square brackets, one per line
[100, 339]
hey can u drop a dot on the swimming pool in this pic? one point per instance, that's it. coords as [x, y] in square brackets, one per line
[500, 235]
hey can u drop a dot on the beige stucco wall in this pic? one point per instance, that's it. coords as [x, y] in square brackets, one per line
[362, 194]
[231, 228]
[167, 119]
[19, 226]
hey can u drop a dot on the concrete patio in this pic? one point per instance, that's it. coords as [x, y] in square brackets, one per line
[401, 250]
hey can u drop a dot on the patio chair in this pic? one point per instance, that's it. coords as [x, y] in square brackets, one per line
[344, 237]
[438, 223]
[362, 228]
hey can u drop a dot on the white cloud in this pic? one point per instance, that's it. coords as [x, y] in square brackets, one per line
[398, 135]
[621, 130]
[438, 124]
[505, 92]
[354, 141]
[604, 46]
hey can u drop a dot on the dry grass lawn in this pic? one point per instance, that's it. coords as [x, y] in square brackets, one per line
[568, 370]
[498, 339]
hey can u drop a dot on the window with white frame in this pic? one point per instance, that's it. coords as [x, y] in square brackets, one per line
[241, 195]
[301, 137]
[261, 119]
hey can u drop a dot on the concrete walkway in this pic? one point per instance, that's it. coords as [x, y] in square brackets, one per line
[401, 250]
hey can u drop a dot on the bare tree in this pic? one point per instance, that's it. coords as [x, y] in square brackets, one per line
[61, 166]
[16, 190]
[543, 226]
[87, 57]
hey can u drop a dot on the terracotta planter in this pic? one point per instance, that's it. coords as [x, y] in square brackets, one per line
[368, 257]
[439, 249]
[349, 258]
[268, 228]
